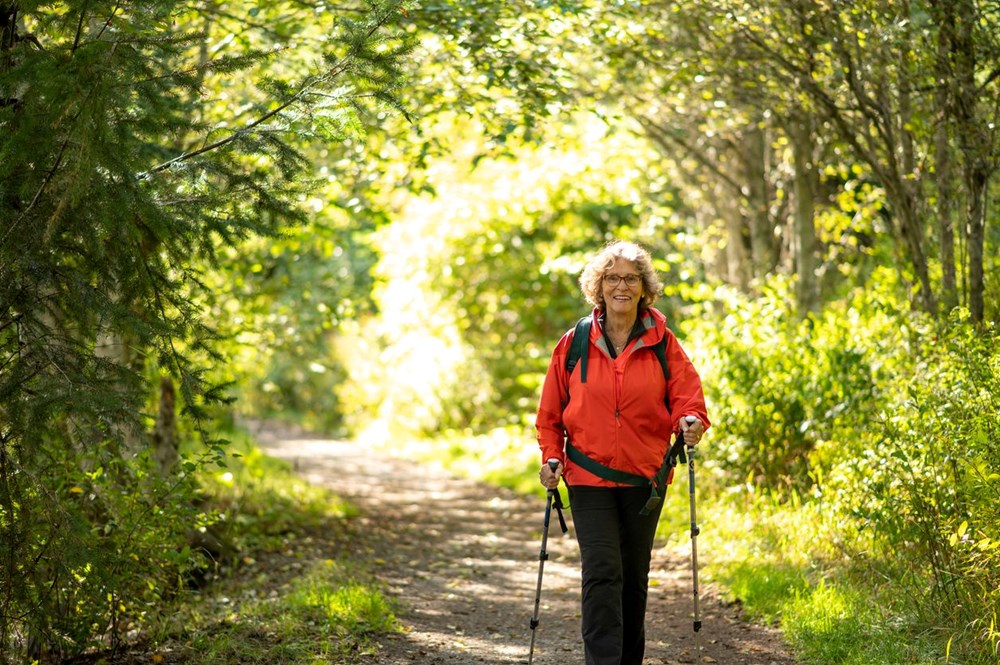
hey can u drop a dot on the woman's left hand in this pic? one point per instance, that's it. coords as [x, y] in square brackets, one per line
[692, 432]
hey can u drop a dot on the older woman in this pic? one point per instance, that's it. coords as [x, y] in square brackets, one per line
[610, 431]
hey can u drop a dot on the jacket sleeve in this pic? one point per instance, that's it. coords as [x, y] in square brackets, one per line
[684, 387]
[549, 429]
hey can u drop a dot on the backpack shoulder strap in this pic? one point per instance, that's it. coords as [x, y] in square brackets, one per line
[578, 349]
[660, 349]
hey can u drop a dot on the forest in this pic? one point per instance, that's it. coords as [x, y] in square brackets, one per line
[368, 218]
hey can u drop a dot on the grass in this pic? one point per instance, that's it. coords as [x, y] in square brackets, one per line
[830, 621]
[326, 614]
[296, 594]
[778, 559]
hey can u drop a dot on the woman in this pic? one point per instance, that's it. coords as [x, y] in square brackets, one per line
[622, 418]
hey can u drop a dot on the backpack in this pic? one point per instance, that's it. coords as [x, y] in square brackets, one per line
[578, 352]
[580, 348]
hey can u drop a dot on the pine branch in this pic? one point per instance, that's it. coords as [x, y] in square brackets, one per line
[336, 70]
[79, 31]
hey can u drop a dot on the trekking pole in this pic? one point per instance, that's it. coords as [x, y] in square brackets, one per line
[694, 534]
[552, 498]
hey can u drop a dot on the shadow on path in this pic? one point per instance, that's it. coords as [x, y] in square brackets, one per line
[461, 560]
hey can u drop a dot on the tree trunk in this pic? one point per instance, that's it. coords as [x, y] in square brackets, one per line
[734, 254]
[943, 175]
[975, 140]
[763, 243]
[908, 181]
[165, 445]
[906, 208]
[804, 236]
[977, 182]
[945, 209]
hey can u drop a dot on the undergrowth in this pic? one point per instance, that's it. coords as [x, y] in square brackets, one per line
[781, 560]
[294, 593]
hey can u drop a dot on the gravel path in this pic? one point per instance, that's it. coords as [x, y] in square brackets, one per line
[461, 560]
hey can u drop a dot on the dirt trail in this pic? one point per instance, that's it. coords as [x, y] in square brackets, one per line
[461, 559]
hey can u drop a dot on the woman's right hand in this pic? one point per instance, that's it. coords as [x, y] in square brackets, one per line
[548, 477]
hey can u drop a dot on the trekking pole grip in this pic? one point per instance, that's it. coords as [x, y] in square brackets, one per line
[690, 420]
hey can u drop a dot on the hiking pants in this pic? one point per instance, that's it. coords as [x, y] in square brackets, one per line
[615, 546]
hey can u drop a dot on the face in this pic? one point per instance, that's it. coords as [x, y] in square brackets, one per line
[622, 299]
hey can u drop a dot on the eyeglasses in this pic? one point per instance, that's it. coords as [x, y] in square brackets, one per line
[615, 280]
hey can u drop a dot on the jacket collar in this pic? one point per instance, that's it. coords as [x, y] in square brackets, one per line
[652, 321]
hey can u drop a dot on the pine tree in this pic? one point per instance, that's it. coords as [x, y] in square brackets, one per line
[120, 177]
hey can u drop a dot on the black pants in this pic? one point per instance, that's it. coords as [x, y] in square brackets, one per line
[615, 547]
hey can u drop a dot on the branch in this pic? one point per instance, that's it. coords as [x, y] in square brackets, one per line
[833, 111]
[62, 149]
[994, 75]
[79, 31]
[662, 136]
[335, 71]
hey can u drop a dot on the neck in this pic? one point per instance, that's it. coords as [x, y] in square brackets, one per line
[618, 323]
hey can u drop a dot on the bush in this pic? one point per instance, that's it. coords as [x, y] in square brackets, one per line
[889, 422]
[924, 489]
[788, 391]
[91, 543]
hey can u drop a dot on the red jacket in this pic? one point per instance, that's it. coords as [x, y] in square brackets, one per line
[618, 417]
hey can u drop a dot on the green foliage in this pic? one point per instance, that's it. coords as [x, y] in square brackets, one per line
[927, 483]
[120, 183]
[285, 600]
[789, 390]
[282, 302]
[884, 423]
[477, 282]
[262, 499]
[95, 542]
[328, 613]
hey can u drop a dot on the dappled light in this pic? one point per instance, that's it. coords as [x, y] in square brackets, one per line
[280, 285]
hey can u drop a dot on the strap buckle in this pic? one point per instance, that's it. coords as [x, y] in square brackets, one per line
[652, 502]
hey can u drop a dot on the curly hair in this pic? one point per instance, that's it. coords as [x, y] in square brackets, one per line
[593, 274]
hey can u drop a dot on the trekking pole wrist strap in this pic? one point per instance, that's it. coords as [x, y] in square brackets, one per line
[558, 505]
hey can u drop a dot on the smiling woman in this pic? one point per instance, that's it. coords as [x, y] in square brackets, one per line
[610, 436]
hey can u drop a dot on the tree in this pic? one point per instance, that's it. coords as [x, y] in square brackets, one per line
[968, 66]
[885, 87]
[880, 60]
[120, 180]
